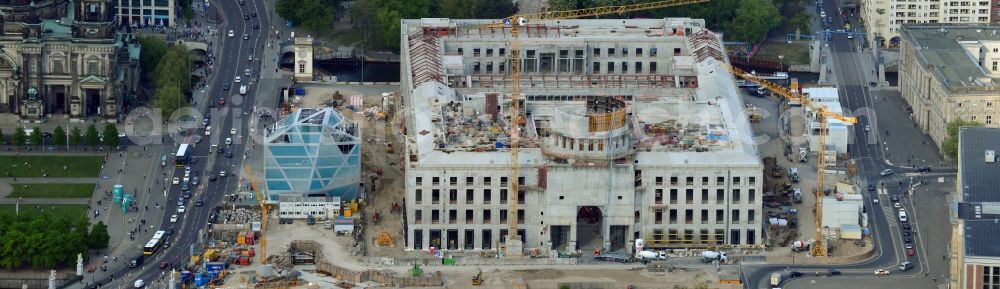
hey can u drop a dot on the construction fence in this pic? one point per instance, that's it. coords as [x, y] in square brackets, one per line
[386, 278]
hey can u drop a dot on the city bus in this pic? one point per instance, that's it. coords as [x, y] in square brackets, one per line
[154, 244]
[182, 156]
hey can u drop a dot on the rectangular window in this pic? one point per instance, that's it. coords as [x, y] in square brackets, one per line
[302, 68]
[638, 67]
[487, 181]
[689, 196]
[597, 52]
[418, 216]
[720, 216]
[418, 196]
[658, 217]
[704, 216]
[720, 181]
[503, 216]
[752, 181]
[420, 181]
[638, 52]
[487, 217]
[751, 216]
[704, 196]
[487, 199]
[652, 67]
[720, 196]
[736, 181]
[597, 67]
[503, 196]
[468, 217]
[659, 181]
[688, 216]
[503, 52]
[489, 52]
[470, 181]
[624, 51]
[673, 196]
[452, 216]
[453, 196]
[435, 196]
[453, 181]
[673, 181]
[469, 196]
[611, 67]
[435, 181]
[736, 216]
[672, 216]
[677, 51]
[611, 52]
[92, 67]
[736, 196]
[658, 197]
[435, 216]
[624, 67]
[752, 196]
[652, 52]
[689, 181]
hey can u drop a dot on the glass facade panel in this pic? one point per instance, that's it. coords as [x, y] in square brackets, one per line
[312, 153]
[281, 151]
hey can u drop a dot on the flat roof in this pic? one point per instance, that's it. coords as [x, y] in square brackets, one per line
[978, 177]
[941, 48]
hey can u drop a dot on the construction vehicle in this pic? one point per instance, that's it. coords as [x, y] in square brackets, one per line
[792, 95]
[264, 209]
[513, 246]
[478, 279]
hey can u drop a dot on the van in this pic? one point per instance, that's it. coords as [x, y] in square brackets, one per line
[136, 262]
[905, 266]
[163, 161]
[902, 216]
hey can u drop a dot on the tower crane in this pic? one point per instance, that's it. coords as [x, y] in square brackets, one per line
[819, 248]
[514, 246]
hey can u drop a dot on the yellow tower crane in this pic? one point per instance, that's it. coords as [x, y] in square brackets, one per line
[264, 209]
[819, 249]
[514, 24]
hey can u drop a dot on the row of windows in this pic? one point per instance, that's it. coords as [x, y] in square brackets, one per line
[469, 181]
[565, 53]
[612, 67]
[486, 197]
[689, 218]
[704, 237]
[141, 3]
[488, 216]
[719, 180]
[624, 67]
[736, 196]
[300, 213]
[146, 12]
[450, 238]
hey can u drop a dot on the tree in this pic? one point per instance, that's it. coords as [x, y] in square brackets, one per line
[950, 145]
[316, 15]
[58, 136]
[458, 9]
[801, 21]
[487, 9]
[288, 9]
[20, 137]
[75, 136]
[153, 49]
[36, 136]
[92, 137]
[111, 135]
[753, 19]
[98, 237]
[169, 99]
[391, 11]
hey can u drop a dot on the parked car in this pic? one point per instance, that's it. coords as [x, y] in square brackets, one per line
[173, 218]
[910, 252]
[794, 274]
[832, 272]
[886, 172]
[871, 188]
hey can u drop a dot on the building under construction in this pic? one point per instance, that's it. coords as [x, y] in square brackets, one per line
[629, 129]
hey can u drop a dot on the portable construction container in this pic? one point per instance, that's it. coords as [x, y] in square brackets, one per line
[186, 276]
[240, 238]
[244, 261]
[250, 252]
[249, 238]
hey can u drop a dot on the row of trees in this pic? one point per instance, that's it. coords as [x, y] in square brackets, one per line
[740, 20]
[171, 76]
[76, 137]
[45, 240]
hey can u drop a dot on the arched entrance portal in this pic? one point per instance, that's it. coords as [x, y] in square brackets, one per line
[880, 41]
[894, 42]
[589, 223]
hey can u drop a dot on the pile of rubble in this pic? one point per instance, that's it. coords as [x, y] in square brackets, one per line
[239, 215]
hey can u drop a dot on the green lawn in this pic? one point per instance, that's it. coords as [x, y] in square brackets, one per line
[52, 191]
[71, 210]
[795, 53]
[37, 165]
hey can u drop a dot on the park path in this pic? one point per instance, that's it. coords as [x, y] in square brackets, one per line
[6, 188]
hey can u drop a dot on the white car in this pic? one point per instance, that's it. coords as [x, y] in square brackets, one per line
[886, 172]
[231, 34]
[187, 170]
[222, 173]
[229, 141]
[173, 218]
[896, 205]
[175, 181]
[208, 130]
[247, 73]
[238, 79]
[232, 131]
[181, 209]
[867, 128]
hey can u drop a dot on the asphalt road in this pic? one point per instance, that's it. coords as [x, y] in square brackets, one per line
[232, 61]
[867, 150]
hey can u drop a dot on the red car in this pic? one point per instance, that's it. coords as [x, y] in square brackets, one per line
[222, 101]
[910, 252]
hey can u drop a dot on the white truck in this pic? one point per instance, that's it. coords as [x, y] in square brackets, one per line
[775, 279]
[711, 256]
[652, 255]
[803, 154]
[243, 90]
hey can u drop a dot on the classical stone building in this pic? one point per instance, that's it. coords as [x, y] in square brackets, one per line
[64, 57]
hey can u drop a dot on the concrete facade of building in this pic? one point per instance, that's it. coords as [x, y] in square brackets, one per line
[143, 13]
[314, 153]
[884, 19]
[975, 258]
[630, 129]
[64, 57]
[299, 207]
[949, 73]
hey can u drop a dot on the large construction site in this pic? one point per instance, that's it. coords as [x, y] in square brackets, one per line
[625, 140]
